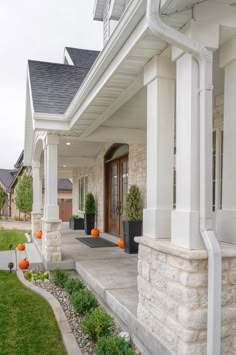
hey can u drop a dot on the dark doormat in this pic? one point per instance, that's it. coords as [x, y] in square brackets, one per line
[96, 242]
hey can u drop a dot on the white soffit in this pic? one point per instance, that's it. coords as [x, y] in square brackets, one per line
[98, 10]
[117, 7]
[172, 6]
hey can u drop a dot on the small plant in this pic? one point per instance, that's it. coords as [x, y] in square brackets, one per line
[133, 210]
[58, 277]
[73, 285]
[96, 324]
[84, 301]
[90, 206]
[74, 216]
[36, 275]
[113, 345]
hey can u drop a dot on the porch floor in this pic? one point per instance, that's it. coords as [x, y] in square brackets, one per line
[110, 271]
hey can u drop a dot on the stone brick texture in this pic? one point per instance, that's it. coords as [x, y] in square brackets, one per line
[137, 175]
[51, 241]
[173, 301]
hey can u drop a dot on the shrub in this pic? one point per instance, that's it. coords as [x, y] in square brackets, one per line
[58, 277]
[74, 216]
[73, 285]
[113, 345]
[96, 324]
[36, 275]
[90, 206]
[133, 210]
[83, 301]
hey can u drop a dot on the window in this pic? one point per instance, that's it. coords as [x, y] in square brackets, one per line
[83, 190]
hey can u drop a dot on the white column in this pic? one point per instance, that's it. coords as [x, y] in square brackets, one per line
[51, 178]
[226, 218]
[37, 187]
[75, 192]
[159, 76]
[186, 217]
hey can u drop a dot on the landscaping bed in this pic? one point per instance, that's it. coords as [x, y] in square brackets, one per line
[11, 236]
[27, 323]
[95, 331]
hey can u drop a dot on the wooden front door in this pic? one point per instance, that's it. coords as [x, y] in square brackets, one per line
[117, 180]
[65, 209]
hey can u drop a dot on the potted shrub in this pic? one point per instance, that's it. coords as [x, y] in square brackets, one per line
[90, 210]
[76, 222]
[132, 219]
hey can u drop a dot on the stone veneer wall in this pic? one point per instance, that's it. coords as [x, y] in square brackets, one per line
[137, 175]
[172, 285]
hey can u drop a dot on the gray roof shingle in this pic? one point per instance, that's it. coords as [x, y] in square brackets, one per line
[7, 176]
[63, 185]
[53, 86]
[83, 58]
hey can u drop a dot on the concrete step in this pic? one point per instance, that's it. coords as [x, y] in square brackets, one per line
[122, 304]
[31, 253]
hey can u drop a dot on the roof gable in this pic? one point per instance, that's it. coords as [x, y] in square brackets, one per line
[83, 58]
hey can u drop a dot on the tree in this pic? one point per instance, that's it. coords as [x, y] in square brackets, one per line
[24, 194]
[2, 199]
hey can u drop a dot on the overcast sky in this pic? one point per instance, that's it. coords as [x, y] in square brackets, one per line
[35, 29]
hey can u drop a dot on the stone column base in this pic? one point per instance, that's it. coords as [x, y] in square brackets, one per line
[36, 218]
[173, 288]
[51, 241]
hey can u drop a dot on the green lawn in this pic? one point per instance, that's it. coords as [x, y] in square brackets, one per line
[27, 323]
[11, 236]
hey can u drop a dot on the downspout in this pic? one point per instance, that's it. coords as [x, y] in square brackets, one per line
[204, 58]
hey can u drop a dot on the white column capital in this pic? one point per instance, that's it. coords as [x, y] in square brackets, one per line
[35, 164]
[52, 139]
[228, 53]
[159, 67]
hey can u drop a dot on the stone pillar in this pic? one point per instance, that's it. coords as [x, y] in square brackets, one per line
[226, 218]
[37, 198]
[173, 292]
[159, 77]
[186, 217]
[51, 241]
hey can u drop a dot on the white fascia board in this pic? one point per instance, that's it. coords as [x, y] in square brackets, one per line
[68, 58]
[28, 138]
[43, 122]
[130, 19]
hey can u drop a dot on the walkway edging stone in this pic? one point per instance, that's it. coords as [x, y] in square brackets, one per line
[70, 343]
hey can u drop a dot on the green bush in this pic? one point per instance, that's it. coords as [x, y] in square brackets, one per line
[90, 205]
[113, 345]
[73, 285]
[74, 216]
[97, 323]
[83, 301]
[58, 277]
[133, 210]
[36, 275]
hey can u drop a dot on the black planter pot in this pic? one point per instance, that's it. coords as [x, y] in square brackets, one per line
[89, 222]
[131, 229]
[77, 223]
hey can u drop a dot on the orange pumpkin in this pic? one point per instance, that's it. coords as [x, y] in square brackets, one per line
[39, 234]
[95, 232]
[23, 264]
[121, 243]
[21, 247]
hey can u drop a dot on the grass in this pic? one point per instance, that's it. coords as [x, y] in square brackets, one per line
[27, 323]
[11, 236]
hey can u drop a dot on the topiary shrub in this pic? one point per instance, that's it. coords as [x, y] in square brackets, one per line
[73, 285]
[113, 345]
[58, 277]
[96, 324]
[133, 210]
[90, 205]
[83, 301]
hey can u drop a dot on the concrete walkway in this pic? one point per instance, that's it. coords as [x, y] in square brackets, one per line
[15, 224]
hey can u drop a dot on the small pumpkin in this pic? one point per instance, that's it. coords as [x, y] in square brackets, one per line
[95, 232]
[23, 264]
[39, 234]
[21, 247]
[121, 243]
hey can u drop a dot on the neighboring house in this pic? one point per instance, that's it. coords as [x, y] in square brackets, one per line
[150, 110]
[8, 180]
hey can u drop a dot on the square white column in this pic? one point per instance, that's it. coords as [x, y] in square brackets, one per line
[51, 178]
[159, 76]
[226, 218]
[186, 217]
[37, 187]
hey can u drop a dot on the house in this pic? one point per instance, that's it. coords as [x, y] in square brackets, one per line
[155, 108]
[8, 180]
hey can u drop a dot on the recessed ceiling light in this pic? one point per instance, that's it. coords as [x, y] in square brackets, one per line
[68, 143]
[64, 166]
